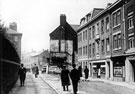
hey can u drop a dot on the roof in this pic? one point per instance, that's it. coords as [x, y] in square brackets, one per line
[11, 31]
[100, 13]
[62, 30]
[75, 27]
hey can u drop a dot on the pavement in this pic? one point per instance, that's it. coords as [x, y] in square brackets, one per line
[55, 83]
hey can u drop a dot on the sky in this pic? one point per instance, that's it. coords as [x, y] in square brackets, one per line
[36, 19]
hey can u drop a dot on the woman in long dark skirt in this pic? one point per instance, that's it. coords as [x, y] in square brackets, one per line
[65, 78]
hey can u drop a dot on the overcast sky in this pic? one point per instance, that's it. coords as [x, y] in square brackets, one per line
[37, 18]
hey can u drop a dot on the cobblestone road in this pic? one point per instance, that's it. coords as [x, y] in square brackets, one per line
[95, 87]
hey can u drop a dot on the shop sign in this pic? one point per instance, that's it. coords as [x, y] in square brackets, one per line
[58, 55]
[118, 71]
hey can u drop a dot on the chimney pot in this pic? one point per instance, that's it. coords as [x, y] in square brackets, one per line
[62, 19]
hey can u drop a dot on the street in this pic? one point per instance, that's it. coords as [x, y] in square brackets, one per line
[51, 84]
[33, 86]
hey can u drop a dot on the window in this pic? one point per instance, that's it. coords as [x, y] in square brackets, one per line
[114, 19]
[131, 42]
[118, 17]
[93, 49]
[97, 48]
[90, 50]
[83, 35]
[102, 27]
[86, 50]
[102, 46]
[107, 24]
[107, 45]
[83, 50]
[93, 31]
[114, 41]
[89, 33]
[86, 34]
[130, 22]
[119, 40]
[97, 29]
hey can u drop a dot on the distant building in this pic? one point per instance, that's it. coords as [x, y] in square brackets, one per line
[63, 43]
[15, 37]
[39, 58]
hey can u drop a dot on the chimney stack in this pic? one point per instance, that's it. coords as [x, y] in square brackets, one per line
[62, 19]
[108, 5]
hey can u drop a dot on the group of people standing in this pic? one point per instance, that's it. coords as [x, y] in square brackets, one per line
[75, 75]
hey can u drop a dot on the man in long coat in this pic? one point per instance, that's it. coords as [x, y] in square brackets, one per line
[22, 74]
[75, 78]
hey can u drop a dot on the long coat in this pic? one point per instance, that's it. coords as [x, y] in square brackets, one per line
[65, 77]
[74, 75]
[22, 73]
[86, 71]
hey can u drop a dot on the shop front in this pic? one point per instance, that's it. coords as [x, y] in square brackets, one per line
[118, 68]
[98, 69]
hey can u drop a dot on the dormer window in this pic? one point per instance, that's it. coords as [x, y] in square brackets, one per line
[82, 21]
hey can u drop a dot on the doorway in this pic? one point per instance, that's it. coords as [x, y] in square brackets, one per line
[133, 67]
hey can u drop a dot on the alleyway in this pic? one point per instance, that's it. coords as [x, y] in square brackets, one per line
[51, 84]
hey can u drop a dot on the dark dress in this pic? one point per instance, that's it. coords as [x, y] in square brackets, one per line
[86, 71]
[75, 78]
[80, 71]
[65, 77]
[22, 74]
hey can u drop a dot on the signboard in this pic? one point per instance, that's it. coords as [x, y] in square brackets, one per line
[118, 71]
[69, 46]
[54, 45]
[58, 55]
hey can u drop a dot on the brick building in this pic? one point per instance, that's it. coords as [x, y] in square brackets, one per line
[63, 43]
[106, 41]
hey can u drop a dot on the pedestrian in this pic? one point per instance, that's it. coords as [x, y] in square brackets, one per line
[65, 78]
[75, 78]
[22, 74]
[99, 73]
[86, 72]
[80, 71]
[36, 71]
